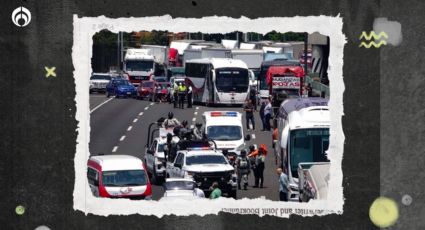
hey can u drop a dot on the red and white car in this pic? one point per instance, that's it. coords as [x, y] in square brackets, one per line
[146, 89]
[118, 176]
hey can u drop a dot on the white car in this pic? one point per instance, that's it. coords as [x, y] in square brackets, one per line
[98, 82]
[154, 155]
[181, 188]
[205, 166]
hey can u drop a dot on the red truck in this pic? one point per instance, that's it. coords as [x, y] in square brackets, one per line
[287, 79]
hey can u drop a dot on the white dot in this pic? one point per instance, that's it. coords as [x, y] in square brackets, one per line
[406, 200]
[42, 227]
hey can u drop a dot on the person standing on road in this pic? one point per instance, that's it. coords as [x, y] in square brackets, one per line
[268, 114]
[242, 167]
[263, 105]
[182, 94]
[216, 192]
[283, 184]
[189, 97]
[260, 166]
[253, 97]
[175, 97]
[275, 135]
[249, 114]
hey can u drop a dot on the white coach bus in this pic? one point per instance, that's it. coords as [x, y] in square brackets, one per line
[218, 80]
[303, 125]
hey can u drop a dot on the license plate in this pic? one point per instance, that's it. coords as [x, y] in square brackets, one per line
[128, 92]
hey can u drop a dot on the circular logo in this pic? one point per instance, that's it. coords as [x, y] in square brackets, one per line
[21, 16]
[20, 210]
[383, 212]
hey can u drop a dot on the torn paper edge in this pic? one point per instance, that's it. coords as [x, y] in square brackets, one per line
[86, 27]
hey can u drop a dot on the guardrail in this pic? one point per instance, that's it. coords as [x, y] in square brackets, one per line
[317, 87]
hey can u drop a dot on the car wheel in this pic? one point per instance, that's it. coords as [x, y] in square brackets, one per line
[90, 91]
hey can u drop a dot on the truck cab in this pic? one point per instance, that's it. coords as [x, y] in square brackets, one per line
[205, 165]
[140, 65]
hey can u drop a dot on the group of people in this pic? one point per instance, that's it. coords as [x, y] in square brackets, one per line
[182, 93]
[265, 113]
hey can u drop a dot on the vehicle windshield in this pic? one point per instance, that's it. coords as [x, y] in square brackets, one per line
[100, 77]
[179, 185]
[205, 159]
[224, 132]
[232, 80]
[308, 145]
[161, 148]
[124, 178]
[139, 65]
[122, 82]
[262, 78]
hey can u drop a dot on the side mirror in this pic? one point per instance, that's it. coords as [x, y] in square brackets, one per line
[248, 137]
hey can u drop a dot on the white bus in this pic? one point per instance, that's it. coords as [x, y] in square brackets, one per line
[303, 125]
[218, 80]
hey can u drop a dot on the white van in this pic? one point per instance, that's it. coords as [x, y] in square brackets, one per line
[225, 128]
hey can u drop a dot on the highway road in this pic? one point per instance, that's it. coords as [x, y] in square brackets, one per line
[119, 126]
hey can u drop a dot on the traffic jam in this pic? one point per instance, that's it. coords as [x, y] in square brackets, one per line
[209, 119]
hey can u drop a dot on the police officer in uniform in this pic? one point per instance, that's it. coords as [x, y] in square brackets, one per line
[182, 94]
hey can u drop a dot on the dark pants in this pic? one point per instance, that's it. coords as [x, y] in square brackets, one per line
[181, 100]
[189, 100]
[262, 121]
[175, 98]
[267, 121]
[283, 196]
[259, 177]
[254, 102]
[250, 118]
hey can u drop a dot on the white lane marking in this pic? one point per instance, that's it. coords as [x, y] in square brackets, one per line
[197, 107]
[141, 113]
[253, 136]
[194, 119]
[135, 120]
[98, 106]
[122, 138]
[195, 113]
[114, 149]
[146, 108]
[129, 128]
[152, 103]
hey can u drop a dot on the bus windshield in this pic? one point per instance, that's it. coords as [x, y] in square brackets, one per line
[139, 65]
[224, 132]
[308, 145]
[232, 80]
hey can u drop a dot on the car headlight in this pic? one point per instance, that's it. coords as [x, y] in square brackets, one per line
[294, 187]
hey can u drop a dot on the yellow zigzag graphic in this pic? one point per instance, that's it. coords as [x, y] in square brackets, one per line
[373, 34]
[372, 43]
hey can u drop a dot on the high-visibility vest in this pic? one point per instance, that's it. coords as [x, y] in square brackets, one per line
[182, 88]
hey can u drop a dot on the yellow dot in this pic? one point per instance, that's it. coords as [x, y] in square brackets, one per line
[20, 210]
[383, 212]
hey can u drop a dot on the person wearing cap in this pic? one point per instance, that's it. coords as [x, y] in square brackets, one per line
[243, 168]
[182, 94]
[216, 192]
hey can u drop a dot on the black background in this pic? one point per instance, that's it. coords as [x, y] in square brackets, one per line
[38, 126]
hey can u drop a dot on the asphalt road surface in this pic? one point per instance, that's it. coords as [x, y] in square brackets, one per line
[119, 126]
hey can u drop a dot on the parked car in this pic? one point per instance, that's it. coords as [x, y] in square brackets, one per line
[145, 89]
[120, 88]
[118, 176]
[98, 82]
